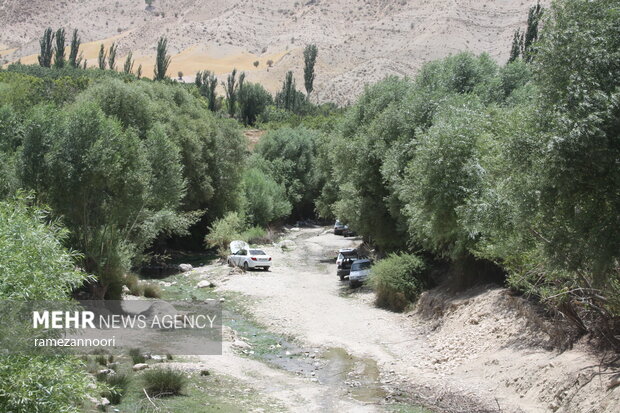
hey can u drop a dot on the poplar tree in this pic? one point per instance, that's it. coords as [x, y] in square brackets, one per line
[101, 57]
[162, 61]
[128, 66]
[310, 54]
[112, 56]
[74, 60]
[45, 56]
[59, 51]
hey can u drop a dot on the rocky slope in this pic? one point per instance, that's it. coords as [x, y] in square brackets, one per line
[360, 41]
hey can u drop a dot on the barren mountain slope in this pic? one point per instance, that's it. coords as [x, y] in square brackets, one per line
[360, 41]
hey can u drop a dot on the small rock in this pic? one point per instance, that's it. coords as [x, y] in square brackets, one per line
[185, 267]
[103, 403]
[156, 357]
[205, 284]
[222, 300]
[140, 366]
[241, 344]
[126, 289]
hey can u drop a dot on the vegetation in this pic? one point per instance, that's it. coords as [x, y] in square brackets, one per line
[59, 51]
[36, 266]
[46, 48]
[162, 382]
[101, 58]
[112, 56]
[75, 59]
[310, 54]
[162, 61]
[398, 280]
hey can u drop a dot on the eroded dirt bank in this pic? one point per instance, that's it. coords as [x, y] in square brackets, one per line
[483, 350]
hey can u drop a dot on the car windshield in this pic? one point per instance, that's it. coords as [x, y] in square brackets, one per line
[257, 252]
[358, 266]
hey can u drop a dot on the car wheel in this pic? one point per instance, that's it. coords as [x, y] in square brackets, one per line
[341, 277]
[230, 264]
[265, 268]
[246, 267]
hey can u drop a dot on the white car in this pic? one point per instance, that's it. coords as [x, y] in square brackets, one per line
[248, 258]
[360, 270]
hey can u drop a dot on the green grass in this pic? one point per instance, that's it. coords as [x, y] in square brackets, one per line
[163, 381]
[212, 393]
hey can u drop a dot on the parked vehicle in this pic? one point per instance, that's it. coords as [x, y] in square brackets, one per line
[339, 227]
[346, 257]
[360, 270]
[348, 232]
[248, 258]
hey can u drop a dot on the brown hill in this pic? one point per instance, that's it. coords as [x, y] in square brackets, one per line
[360, 41]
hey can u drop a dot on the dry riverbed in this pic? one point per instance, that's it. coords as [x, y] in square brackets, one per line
[298, 339]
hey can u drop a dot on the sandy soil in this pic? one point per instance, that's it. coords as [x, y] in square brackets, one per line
[360, 41]
[483, 350]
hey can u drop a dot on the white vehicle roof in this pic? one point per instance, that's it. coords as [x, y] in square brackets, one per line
[238, 245]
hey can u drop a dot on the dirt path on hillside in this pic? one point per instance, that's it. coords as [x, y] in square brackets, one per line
[483, 350]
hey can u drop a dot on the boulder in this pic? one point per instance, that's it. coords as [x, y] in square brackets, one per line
[140, 366]
[205, 284]
[287, 243]
[185, 267]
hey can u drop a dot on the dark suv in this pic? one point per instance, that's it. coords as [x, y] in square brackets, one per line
[344, 261]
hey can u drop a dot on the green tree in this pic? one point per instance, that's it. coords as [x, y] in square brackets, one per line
[207, 83]
[289, 97]
[531, 33]
[232, 87]
[75, 59]
[162, 61]
[128, 66]
[515, 48]
[46, 48]
[59, 51]
[102, 58]
[253, 100]
[35, 265]
[112, 56]
[288, 155]
[577, 156]
[266, 199]
[310, 54]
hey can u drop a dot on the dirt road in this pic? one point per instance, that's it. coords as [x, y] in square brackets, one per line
[483, 350]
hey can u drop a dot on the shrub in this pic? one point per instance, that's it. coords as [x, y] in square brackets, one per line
[256, 235]
[223, 232]
[152, 291]
[133, 283]
[265, 198]
[118, 384]
[164, 382]
[253, 100]
[101, 359]
[397, 280]
[136, 356]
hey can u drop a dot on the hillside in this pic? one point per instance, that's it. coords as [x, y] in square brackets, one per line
[360, 41]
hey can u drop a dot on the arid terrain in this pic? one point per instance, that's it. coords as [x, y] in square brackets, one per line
[360, 41]
[482, 350]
